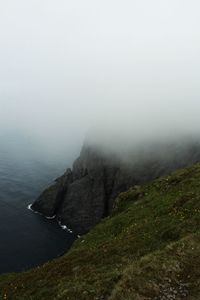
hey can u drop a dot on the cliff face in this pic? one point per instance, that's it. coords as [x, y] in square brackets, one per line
[84, 195]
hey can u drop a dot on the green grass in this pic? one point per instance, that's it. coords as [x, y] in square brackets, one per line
[171, 273]
[128, 255]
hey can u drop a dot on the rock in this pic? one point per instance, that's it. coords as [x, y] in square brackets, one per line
[50, 200]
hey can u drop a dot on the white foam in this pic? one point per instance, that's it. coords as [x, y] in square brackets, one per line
[34, 211]
[64, 227]
[50, 218]
[29, 207]
[37, 212]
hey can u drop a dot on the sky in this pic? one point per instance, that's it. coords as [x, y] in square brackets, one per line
[69, 68]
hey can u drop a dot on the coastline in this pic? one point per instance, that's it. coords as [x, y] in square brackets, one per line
[63, 226]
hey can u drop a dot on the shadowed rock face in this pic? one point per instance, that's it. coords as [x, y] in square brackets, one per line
[84, 195]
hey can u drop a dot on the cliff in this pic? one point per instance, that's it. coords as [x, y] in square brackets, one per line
[84, 195]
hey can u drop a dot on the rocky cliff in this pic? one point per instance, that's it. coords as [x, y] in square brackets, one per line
[84, 195]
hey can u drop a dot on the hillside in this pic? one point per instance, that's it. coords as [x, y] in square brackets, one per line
[149, 248]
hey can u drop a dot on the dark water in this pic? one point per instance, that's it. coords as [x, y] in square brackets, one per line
[26, 239]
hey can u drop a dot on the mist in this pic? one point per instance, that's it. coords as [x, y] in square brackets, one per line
[115, 71]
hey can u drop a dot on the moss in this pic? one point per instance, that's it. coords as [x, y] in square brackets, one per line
[146, 221]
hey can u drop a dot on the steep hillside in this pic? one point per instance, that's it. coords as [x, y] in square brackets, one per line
[149, 248]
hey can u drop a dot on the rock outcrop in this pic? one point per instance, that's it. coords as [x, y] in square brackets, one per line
[84, 195]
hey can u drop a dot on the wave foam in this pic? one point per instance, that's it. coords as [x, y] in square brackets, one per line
[64, 227]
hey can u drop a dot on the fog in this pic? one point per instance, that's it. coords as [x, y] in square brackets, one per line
[112, 70]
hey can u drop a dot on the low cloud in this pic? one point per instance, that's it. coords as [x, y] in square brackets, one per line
[118, 73]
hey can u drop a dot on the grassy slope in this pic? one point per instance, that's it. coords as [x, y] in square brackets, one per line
[148, 249]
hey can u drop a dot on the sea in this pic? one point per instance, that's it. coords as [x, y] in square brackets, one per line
[27, 239]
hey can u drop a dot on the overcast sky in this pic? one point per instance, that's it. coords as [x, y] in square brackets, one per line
[67, 66]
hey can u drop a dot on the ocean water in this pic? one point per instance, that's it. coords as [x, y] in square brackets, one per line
[26, 239]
